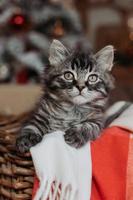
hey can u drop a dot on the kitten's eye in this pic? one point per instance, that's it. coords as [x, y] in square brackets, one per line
[68, 76]
[93, 78]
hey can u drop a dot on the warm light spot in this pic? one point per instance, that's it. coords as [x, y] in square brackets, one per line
[131, 36]
[130, 22]
[58, 30]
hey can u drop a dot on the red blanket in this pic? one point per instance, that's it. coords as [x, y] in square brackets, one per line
[112, 164]
[109, 163]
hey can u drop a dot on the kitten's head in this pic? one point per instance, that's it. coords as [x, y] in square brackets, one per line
[80, 77]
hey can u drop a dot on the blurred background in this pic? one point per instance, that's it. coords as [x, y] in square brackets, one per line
[27, 28]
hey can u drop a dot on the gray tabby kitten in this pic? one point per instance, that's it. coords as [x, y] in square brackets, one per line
[76, 88]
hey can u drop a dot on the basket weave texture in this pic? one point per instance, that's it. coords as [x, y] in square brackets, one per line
[16, 171]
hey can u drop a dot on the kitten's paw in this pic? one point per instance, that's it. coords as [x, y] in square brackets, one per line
[74, 138]
[25, 142]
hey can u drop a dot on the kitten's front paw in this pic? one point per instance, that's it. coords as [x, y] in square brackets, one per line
[25, 142]
[74, 138]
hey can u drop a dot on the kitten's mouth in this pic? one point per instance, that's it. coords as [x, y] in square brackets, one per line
[79, 95]
[79, 99]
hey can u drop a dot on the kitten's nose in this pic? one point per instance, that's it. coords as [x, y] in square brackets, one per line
[80, 87]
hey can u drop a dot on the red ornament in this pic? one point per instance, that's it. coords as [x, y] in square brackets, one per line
[18, 21]
[22, 77]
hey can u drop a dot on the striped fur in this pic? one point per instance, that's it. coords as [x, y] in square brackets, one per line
[75, 92]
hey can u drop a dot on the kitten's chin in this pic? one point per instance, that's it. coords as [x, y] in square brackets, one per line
[79, 100]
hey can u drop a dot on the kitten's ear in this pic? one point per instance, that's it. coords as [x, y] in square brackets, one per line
[57, 53]
[105, 57]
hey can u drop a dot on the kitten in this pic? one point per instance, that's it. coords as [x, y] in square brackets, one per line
[75, 91]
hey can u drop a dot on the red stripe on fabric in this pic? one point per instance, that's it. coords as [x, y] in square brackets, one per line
[35, 186]
[129, 188]
[109, 164]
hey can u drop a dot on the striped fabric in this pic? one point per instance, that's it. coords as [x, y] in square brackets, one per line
[112, 162]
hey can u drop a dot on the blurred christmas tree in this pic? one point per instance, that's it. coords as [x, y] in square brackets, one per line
[26, 30]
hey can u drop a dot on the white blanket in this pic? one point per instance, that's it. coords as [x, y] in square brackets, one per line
[63, 168]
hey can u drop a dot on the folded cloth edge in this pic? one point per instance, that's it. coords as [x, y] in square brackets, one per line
[75, 167]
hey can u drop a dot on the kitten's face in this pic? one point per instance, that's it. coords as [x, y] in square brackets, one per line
[77, 78]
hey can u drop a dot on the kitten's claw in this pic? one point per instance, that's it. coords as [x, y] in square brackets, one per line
[25, 142]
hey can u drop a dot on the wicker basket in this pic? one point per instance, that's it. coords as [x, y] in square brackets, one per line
[16, 171]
